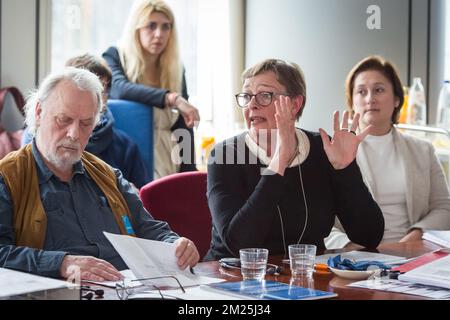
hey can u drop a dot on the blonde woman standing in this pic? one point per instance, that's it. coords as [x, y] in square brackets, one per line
[146, 68]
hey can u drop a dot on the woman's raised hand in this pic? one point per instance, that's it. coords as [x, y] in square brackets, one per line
[341, 149]
[286, 138]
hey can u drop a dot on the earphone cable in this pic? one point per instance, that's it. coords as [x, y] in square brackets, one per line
[306, 204]
[306, 213]
[282, 232]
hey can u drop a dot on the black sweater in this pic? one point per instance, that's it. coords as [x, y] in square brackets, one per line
[244, 211]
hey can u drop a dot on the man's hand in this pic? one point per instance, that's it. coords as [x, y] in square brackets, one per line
[90, 268]
[187, 253]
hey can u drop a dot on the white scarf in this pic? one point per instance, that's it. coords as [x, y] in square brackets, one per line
[303, 149]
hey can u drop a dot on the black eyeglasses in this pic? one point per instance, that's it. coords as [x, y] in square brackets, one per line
[235, 263]
[124, 291]
[263, 98]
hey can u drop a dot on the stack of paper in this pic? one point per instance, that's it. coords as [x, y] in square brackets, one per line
[420, 276]
[403, 287]
[437, 236]
[435, 273]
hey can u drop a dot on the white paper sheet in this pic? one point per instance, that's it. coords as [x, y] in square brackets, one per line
[438, 236]
[402, 287]
[435, 273]
[14, 283]
[148, 258]
[128, 276]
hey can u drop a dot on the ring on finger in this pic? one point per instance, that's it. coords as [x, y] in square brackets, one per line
[351, 131]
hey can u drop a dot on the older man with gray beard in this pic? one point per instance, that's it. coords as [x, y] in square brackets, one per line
[56, 199]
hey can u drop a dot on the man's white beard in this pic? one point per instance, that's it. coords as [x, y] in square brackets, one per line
[62, 163]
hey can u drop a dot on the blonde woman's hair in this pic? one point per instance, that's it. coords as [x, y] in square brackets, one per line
[132, 53]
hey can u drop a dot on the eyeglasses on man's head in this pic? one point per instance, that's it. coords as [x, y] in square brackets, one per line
[263, 98]
[124, 290]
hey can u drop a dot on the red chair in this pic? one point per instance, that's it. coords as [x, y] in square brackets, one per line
[180, 199]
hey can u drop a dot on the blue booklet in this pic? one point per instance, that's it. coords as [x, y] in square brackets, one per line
[268, 290]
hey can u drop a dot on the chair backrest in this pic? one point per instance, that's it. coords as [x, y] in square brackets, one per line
[12, 119]
[136, 119]
[12, 102]
[180, 199]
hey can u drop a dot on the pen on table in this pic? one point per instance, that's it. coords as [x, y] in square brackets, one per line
[317, 266]
[321, 267]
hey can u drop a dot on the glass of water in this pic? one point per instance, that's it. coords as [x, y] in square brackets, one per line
[253, 263]
[302, 258]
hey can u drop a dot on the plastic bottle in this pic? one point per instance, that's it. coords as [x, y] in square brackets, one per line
[416, 104]
[404, 109]
[205, 144]
[443, 113]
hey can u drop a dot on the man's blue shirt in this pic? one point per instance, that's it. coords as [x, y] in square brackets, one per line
[77, 214]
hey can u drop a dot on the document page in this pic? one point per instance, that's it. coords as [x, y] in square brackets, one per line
[438, 236]
[148, 259]
[16, 283]
[128, 276]
[436, 273]
[404, 287]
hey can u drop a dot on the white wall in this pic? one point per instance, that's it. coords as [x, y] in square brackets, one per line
[305, 32]
[18, 44]
[437, 56]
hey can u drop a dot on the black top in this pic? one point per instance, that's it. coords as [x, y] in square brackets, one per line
[243, 202]
[123, 88]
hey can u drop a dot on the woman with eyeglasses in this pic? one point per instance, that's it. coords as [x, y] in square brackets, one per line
[402, 172]
[277, 185]
[146, 68]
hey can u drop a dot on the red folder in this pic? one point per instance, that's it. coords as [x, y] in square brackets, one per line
[420, 261]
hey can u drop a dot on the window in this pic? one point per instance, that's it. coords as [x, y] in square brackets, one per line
[447, 41]
[207, 33]
[80, 26]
